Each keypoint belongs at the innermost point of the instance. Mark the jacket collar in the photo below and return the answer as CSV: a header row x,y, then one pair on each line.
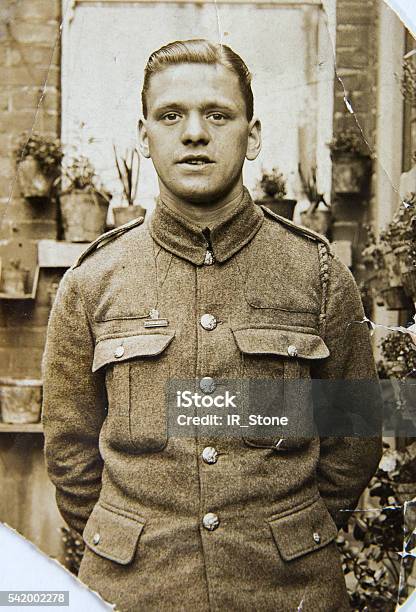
x,y
180,236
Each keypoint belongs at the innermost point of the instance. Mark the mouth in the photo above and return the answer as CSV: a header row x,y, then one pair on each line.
x,y
195,160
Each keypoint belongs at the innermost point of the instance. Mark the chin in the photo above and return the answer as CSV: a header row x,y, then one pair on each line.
x,y
199,194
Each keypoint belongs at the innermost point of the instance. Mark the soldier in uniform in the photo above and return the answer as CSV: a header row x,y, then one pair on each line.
x,y
213,288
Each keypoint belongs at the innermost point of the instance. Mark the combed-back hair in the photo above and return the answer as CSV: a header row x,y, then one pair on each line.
x,y
199,51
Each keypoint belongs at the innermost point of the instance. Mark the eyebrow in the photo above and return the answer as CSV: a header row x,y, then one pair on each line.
x,y
217,104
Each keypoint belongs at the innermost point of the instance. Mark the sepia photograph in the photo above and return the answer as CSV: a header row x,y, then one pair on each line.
x,y
208,305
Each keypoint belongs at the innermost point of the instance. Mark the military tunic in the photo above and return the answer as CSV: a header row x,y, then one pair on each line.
x,y
201,523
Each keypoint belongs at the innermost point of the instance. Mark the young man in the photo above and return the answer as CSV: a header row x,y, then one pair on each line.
x,y
216,288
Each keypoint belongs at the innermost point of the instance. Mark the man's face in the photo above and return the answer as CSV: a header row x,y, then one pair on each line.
x,y
197,133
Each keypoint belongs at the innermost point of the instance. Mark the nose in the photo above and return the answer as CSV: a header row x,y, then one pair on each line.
x,y
194,130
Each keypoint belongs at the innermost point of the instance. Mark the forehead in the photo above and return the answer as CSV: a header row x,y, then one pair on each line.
x,y
193,85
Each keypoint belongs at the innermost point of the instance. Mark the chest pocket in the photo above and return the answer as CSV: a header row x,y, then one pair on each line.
x,y
276,382
137,371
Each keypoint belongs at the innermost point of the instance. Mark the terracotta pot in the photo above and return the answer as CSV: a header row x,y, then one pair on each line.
x,y
409,283
395,298
350,172
124,214
21,401
284,208
84,214
318,221
33,182
14,282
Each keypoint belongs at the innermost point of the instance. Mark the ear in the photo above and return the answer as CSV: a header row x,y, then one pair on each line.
x,y
143,139
254,139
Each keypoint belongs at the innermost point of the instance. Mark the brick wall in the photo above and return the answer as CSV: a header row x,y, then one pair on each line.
x,y
356,57
29,100
356,64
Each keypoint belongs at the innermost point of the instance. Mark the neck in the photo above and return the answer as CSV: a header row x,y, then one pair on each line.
x,y
204,213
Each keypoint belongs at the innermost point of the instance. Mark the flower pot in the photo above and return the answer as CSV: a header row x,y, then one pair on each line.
x,y
124,214
409,283
20,401
284,208
350,172
318,221
33,182
14,282
395,298
84,214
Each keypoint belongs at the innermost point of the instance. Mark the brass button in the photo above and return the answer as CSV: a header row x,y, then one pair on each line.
x,y
207,384
209,258
292,351
119,352
209,454
316,537
208,322
96,538
210,521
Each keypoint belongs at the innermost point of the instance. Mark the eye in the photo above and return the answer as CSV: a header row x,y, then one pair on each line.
x,y
217,118
171,117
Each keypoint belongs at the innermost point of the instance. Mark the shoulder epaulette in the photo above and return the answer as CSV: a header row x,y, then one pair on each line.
x,y
105,238
300,229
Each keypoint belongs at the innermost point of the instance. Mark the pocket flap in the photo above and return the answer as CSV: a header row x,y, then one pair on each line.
x,y
301,531
119,349
112,535
279,342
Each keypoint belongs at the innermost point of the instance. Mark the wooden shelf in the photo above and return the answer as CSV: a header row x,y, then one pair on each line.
x,y
21,428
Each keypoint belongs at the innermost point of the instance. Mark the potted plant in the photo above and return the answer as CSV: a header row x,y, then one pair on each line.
x,y
38,161
74,549
376,278
14,279
398,244
273,187
314,217
377,577
399,355
408,271
391,262
408,79
351,163
83,203
405,250
128,168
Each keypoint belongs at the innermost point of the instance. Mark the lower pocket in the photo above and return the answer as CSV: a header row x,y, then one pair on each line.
x,y
300,531
113,534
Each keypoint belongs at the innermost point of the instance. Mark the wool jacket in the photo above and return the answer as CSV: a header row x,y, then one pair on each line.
x,y
203,522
